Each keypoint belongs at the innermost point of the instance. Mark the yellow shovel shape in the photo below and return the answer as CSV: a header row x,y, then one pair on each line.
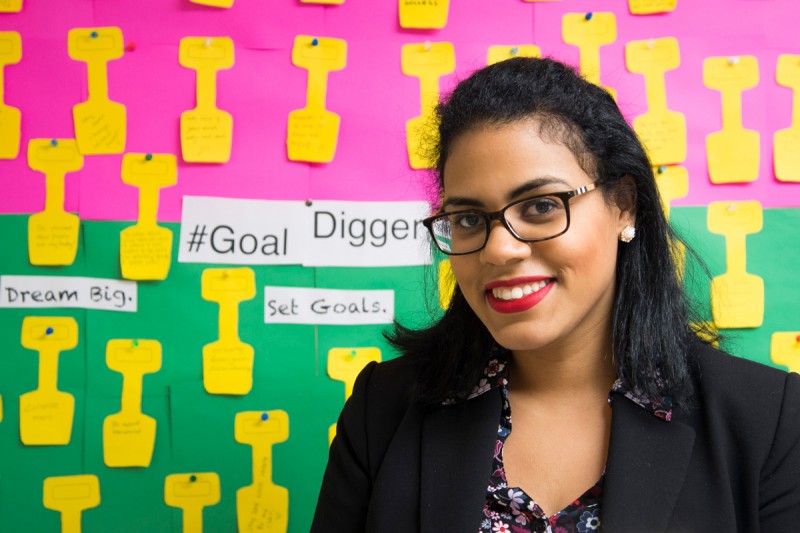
x,y
501,52
649,7
145,251
785,349
662,131
129,435
53,233
423,15
673,183
262,506
70,496
787,141
100,124
228,362
737,298
732,152
45,414
344,364
10,117
214,3
313,131
192,492
590,31
206,132
428,62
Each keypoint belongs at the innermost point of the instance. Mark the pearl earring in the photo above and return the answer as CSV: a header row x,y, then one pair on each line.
x,y
627,234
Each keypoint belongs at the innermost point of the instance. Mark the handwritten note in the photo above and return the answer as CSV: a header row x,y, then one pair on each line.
x,y
590,31
423,14
296,305
192,492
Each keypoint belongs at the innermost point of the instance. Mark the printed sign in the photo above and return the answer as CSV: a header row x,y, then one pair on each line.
x,y
68,291
298,305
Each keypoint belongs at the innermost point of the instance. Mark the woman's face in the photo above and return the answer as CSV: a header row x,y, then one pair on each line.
x,y
565,285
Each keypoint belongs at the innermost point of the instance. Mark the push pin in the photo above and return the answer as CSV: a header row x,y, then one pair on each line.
x,y
48,331
314,42
353,353
192,478
309,202
53,142
797,339
130,47
135,343
428,46
589,15
93,35
651,43
148,157
207,42
264,417
731,208
733,60
662,169
514,50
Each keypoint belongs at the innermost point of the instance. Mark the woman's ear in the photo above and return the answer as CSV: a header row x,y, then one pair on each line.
x,y
625,200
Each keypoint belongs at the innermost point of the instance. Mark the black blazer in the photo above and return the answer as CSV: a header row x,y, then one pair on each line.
x,y
729,463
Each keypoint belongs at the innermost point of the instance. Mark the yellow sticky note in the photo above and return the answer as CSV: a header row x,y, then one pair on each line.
x,y
10,6
447,283
589,31
648,7
53,233
145,251
787,141
262,506
129,435
431,14
428,62
501,53
344,364
673,183
100,124
330,2
70,496
785,349
10,117
214,3
732,152
662,131
45,414
191,493
737,298
228,362
313,131
206,132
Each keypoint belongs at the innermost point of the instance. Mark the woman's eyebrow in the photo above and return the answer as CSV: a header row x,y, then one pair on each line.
x,y
526,187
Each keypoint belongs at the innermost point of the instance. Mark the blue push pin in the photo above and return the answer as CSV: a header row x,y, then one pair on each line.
x,y
94,35
148,157
48,331
515,51
53,142
662,169
589,15
314,41
264,417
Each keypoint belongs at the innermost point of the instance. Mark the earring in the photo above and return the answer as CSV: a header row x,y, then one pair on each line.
x,y
627,234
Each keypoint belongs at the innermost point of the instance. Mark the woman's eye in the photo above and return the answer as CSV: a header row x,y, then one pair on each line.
x,y
467,221
540,206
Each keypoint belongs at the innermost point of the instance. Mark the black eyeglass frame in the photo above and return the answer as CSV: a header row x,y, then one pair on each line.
x,y
500,215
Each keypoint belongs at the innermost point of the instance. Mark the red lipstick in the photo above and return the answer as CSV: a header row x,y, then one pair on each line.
x,y
520,304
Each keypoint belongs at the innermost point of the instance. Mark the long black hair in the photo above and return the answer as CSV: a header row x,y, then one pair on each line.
x,y
653,320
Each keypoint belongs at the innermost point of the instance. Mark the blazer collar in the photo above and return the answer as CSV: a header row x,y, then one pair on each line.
x,y
647,464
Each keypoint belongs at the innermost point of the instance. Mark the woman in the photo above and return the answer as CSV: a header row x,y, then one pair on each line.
x,y
569,314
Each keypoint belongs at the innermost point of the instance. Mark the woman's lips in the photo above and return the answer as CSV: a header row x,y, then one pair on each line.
x,y
498,294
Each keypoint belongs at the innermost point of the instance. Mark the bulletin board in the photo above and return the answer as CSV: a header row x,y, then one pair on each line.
x,y
747,192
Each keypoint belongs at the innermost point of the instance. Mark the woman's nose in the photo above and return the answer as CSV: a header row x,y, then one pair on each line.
x,y
502,247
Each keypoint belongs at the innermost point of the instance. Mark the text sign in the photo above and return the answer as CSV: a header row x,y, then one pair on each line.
x,y
241,231
68,291
367,234
297,305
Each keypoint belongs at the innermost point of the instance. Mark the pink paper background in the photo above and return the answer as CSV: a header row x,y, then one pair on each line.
x,y
372,96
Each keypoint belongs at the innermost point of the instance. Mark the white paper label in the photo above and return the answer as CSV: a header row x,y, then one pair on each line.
x,y
68,291
298,305
242,232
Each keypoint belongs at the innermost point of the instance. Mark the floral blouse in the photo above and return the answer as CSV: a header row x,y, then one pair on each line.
x,y
510,509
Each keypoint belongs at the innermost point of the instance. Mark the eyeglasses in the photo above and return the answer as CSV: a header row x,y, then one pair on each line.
x,y
537,218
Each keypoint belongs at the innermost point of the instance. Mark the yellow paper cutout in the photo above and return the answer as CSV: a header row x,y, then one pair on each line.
x,y
590,31
649,7
70,496
10,117
313,131
145,251
447,283
784,349
344,364
129,435
733,151
214,3
100,124
499,53
662,131
737,298
10,6
673,183
423,15
428,62
206,132
262,506
53,233
1,407
332,2
228,362
787,155
192,492
45,414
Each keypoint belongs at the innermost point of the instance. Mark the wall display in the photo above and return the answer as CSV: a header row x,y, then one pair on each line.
x,y
286,245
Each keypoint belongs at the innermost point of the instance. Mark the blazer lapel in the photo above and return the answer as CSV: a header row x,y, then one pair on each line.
x,y
647,464
457,449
